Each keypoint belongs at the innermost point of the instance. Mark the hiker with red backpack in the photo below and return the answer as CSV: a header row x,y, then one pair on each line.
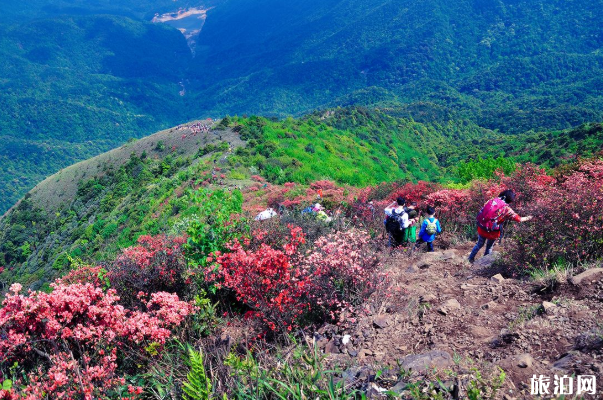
x,y
490,221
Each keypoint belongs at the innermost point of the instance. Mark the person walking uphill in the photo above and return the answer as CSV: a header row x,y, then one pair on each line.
x,y
429,229
491,219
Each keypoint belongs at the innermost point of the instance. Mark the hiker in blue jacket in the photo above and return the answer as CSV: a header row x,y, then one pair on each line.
x,y
429,228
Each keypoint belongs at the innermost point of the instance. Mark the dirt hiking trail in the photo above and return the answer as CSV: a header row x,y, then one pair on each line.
x,y
442,316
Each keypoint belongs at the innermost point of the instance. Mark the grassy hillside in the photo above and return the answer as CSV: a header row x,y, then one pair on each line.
x,y
93,208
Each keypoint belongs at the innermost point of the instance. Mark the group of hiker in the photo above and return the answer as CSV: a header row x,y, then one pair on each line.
x,y
401,223
197,127
402,220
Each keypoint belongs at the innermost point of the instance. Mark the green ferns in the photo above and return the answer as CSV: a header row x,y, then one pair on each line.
x,y
198,385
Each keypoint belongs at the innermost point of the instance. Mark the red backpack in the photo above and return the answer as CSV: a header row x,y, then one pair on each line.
x,y
489,217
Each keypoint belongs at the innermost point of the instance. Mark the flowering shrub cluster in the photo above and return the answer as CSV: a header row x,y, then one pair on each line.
x,y
71,338
568,224
284,286
156,264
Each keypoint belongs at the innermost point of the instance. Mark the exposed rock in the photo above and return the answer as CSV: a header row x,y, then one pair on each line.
x,y
422,362
480,332
468,286
449,306
486,261
588,276
412,269
423,264
399,387
498,278
489,305
587,341
428,298
331,348
564,364
525,360
381,321
549,307
364,353
447,255
353,373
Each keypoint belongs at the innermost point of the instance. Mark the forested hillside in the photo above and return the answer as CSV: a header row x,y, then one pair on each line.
x,y
508,65
72,87
79,78
94,208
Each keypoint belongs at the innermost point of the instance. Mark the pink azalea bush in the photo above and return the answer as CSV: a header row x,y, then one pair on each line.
x,y
155,264
284,286
568,224
70,340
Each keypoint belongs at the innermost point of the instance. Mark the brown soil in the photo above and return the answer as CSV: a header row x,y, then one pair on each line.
x,y
495,323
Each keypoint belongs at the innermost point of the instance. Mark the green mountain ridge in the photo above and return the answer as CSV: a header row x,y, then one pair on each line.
x,y
84,77
94,208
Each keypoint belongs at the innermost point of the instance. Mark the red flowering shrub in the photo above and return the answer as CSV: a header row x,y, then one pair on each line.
x,y
415,191
156,264
85,274
69,339
283,286
568,224
323,185
453,208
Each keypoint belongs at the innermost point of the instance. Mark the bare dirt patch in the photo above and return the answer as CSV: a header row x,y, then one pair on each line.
x,y
441,302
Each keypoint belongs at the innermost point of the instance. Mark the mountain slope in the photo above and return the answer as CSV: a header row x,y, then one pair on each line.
x,y
72,87
75,83
495,59
94,208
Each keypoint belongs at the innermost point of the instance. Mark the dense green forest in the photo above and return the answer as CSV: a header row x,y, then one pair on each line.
x,y
74,87
81,77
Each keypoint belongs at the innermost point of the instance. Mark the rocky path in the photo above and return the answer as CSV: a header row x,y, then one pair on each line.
x,y
448,315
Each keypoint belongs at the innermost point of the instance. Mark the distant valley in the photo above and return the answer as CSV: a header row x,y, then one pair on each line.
x,y
188,21
80,78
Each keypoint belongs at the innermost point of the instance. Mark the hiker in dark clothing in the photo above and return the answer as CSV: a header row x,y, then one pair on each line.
x,y
396,221
491,219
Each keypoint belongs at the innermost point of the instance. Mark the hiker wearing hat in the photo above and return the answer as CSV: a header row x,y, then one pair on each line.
x,y
490,221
